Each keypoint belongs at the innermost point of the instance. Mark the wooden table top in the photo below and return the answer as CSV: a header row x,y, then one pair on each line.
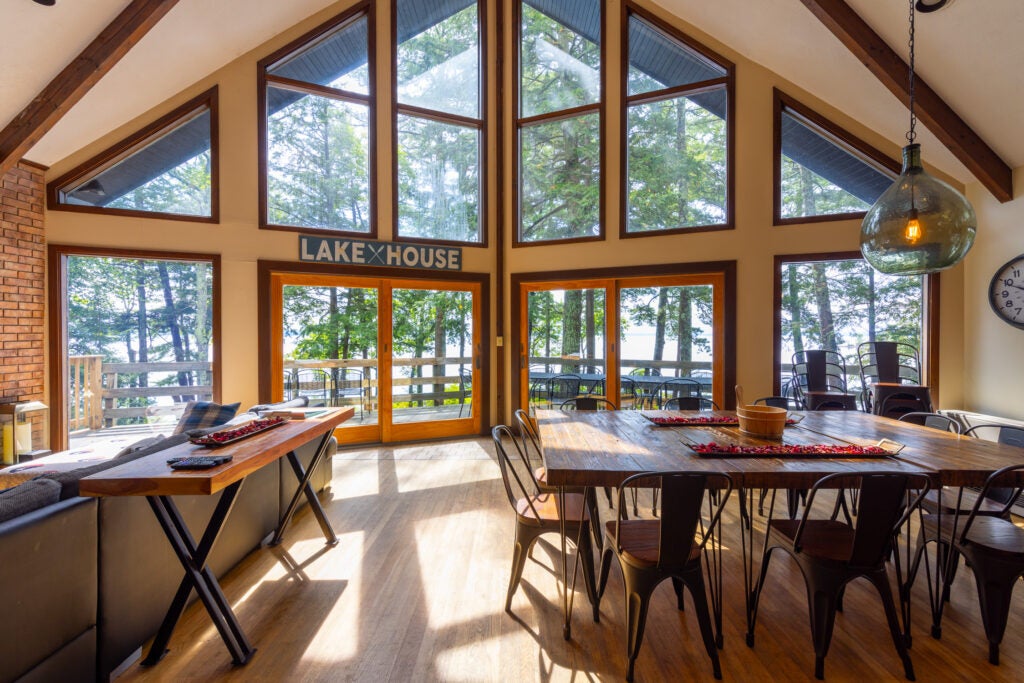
x,y
604,447
152,476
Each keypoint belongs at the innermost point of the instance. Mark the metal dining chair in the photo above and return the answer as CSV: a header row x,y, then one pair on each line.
x,y
943,423
994,548
465,389
588,403
677,387
652,550
831,553
690,403
537,513
889,362
563,387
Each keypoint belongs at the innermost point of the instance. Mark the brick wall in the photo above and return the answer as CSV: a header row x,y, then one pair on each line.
x,y
22,282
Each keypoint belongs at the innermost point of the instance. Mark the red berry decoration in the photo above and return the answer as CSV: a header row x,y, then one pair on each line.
x,y
228,435
787,449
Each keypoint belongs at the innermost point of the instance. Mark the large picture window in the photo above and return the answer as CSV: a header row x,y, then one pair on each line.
x,y
559,122
676,140
438,121
837,302
317,137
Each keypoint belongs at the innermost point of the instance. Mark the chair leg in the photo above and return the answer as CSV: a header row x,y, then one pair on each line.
x,y
606,565
694,580
639,586
755,599
995,581
525,538
677,586
586,551
822,604
899,639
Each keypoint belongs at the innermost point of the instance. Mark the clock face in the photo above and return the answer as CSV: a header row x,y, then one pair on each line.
x,y
1006,293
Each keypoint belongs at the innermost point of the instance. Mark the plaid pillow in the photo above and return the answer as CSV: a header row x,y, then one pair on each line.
x,y
203,414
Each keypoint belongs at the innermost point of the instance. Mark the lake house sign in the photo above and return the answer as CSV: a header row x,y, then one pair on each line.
x,y
348,252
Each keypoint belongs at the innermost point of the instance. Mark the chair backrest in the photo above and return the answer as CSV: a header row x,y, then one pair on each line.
x,y
515,473
682,496
290,385
677,387
943,423
1008,479
588,403
347,381
883,507
888,361
311,382
829,404
775,402
1011,436
901,403
465,381
563,386
529,438
628,390
690,403
819,370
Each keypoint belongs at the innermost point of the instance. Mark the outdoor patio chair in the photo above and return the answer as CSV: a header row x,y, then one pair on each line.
x,y
465,389
690,403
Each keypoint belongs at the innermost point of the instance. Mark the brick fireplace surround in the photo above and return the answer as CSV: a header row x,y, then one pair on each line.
x,y
22,283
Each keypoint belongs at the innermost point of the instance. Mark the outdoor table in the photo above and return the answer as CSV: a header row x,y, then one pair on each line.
x,y
152,476
586,449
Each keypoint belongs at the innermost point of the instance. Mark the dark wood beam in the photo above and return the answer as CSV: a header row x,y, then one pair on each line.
x,y
84,71
931,109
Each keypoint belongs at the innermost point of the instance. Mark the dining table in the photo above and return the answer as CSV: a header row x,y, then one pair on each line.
x,y
602,448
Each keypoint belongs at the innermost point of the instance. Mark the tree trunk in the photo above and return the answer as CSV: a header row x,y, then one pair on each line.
x,y
171,320
332,338
872,313
440,345
684,341
572,313
796,310
682,180
142,320
588,321
824,302
659,329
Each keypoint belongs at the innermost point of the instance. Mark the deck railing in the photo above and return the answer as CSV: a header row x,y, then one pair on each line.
x,y
99,394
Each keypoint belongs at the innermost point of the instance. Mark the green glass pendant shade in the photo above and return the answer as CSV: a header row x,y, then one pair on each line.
x,y
919,225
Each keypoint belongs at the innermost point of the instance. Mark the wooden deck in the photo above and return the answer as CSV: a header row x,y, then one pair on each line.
x,y
415,592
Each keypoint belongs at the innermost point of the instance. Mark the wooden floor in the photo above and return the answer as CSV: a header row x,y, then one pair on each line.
x,y
415,592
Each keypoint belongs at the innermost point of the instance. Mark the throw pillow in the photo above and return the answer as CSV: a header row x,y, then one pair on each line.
x,y
30,496
203,414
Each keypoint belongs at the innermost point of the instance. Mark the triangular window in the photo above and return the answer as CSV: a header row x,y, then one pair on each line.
x,y
822,171
168,169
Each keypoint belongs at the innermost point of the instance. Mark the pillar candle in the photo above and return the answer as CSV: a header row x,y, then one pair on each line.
x,y
8,436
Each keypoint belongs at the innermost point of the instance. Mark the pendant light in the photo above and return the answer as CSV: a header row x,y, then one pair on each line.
x,y
920,224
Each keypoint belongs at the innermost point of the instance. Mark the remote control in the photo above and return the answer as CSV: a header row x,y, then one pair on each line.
x,y
198,463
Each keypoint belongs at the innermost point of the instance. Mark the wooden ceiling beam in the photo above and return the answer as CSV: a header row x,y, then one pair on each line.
x,y
931,109
75,80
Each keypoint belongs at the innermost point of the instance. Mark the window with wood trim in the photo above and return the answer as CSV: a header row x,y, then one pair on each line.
x,y
317,129
438,120
823,172
559,120
167,170
677,135
835,302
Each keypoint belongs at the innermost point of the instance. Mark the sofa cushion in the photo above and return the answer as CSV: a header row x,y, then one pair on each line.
x,y
300,402
140,445
69,479
203,414
32,495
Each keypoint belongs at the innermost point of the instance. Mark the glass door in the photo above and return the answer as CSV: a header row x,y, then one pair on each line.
x,y
434,358
403,354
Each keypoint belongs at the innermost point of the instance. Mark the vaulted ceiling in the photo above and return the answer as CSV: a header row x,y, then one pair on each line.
x,y
969,53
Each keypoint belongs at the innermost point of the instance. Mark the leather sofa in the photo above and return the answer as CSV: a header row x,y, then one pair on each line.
x,y
85,582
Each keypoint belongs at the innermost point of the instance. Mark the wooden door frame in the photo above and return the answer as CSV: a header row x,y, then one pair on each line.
x,y
725,269
477,282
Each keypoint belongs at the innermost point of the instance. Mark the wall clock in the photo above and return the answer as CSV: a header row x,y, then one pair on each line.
x,y
1006,293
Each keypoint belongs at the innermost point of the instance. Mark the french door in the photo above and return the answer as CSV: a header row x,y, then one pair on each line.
x,y
404,354
614,337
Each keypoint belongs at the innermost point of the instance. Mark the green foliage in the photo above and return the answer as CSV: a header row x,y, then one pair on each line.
x,y
805,193
318,165
184,189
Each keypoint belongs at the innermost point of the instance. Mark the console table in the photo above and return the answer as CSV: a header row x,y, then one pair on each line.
x,y
153,478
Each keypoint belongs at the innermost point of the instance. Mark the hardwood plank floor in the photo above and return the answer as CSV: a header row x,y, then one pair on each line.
x,y
415,589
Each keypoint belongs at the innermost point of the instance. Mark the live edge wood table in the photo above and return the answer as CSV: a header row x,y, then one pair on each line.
x,y
585,449
152,477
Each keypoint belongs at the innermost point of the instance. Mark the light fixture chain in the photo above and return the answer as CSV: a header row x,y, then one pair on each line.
x,y
911,134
